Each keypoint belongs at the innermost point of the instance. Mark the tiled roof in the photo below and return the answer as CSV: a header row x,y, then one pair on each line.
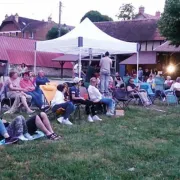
x,y
132,30
30,24
18,51
144,58
166,47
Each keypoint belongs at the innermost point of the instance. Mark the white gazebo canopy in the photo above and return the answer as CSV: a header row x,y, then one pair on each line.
x,y
93,38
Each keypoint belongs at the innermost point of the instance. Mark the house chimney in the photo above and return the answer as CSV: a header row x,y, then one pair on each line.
x,y
49,19
6,16
141,9
16,17
158,14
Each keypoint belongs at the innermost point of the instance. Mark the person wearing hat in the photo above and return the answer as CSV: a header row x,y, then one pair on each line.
x,y
76,98
96,96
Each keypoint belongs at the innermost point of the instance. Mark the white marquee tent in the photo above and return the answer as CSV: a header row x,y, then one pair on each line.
x,y
93,38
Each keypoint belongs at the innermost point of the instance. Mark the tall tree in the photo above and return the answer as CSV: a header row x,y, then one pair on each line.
x,y
126,12
53,33
96,16
169,24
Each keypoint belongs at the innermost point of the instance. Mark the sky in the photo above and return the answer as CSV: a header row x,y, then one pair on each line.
x,y
72,10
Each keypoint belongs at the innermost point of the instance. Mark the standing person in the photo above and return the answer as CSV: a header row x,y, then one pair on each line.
x,y
140,74
105,70
90,72
76,98
146,74
41,79
76,70
22,69
15,91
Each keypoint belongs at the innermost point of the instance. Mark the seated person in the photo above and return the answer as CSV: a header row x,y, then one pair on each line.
x,y
136,92
4,134
136,81
59,102
15,91
29,89
176,87
119,83
41,79
96,96
76,98
23,129
168,82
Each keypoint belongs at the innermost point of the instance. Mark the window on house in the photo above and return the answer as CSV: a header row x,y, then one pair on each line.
x,y
31,35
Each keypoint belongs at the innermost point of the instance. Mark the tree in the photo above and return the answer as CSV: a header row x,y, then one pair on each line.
x,y
126,12
96,16
53,33
169,24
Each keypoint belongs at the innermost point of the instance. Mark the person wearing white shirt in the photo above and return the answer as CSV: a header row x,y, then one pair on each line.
x,y
96,96
176,87
59,102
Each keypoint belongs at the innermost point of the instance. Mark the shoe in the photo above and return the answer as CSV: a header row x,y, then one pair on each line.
x,y
11,140
60,119
96,118
22,138
28,136
90,119
67,122
109,114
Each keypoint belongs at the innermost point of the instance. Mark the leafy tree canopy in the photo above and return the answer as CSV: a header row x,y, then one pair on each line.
x,y
169,24
96,16
126,12
53,33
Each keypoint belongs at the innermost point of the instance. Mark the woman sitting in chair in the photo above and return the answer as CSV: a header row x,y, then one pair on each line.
x,y
59,102
136,92
176,87
15,91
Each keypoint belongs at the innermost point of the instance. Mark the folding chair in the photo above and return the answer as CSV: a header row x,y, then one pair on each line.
x,y
171,97
49,92
121,97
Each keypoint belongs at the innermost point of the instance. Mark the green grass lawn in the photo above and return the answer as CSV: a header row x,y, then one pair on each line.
x,y
144,144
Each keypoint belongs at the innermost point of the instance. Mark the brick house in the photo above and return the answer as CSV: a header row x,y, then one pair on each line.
x,y
21,27
143,30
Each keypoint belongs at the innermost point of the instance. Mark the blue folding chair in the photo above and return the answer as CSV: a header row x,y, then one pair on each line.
x,y
171,97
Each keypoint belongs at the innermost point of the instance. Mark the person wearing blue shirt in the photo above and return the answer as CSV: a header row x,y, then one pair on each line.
x,y
41,79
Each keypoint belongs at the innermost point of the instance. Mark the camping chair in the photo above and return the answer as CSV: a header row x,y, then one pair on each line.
x,y
121,98
148,89
126,79
49,92
171,97
4,100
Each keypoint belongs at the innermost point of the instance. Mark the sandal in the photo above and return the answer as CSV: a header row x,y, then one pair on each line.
x,y
58,136
53,137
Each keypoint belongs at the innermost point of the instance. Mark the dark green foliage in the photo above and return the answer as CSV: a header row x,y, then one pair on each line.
x,y
169,23
96,16
53,33
126,12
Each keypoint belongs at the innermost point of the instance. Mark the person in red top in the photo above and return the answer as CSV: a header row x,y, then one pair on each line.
x,y
29,89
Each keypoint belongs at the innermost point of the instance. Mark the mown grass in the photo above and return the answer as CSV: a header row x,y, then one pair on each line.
x,y
146,140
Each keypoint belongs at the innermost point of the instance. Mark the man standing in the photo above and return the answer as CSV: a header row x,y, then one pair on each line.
x,y
105,66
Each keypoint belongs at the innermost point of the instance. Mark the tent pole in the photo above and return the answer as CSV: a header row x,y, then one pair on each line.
x,y
137,64
35,59
79,63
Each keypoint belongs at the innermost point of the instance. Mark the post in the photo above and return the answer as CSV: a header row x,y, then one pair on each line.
x,y
138,49
61,64
60,11
35,59
80,45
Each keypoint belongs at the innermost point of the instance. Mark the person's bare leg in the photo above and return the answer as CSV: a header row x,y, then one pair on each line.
x,y
46,122
24,102
41,126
